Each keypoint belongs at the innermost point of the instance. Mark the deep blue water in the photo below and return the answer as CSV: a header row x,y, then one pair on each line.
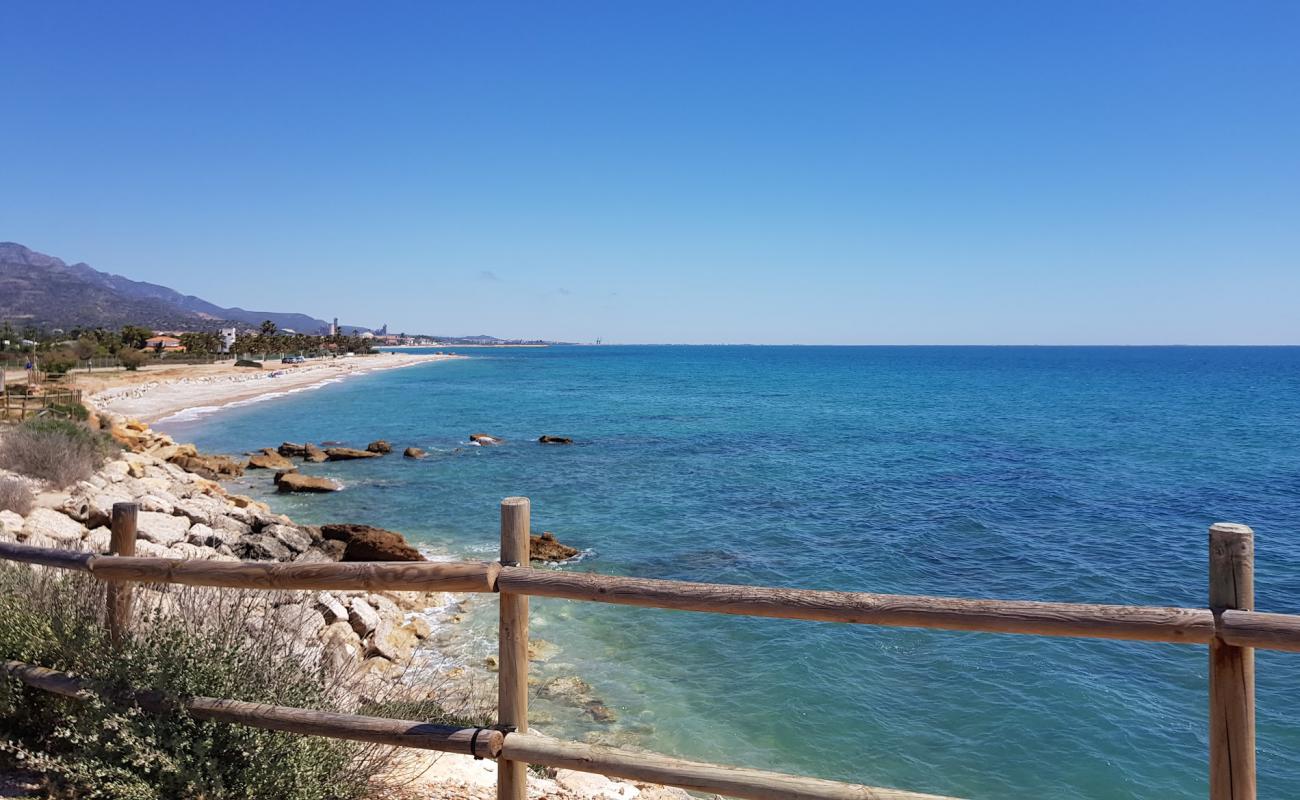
x,y
1073,474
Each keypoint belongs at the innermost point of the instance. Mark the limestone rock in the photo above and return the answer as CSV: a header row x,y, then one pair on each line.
x,y
291,450
11,522
366,543
393,642
162,529
115,471
159,503
341,647
205,536
314,454
547,548
269,459
380,446
302,620
290,536
331,608
420,627
413,452
214,468
261,547
98,540
348,454
554,440
594,787
297,482
50,524
363,617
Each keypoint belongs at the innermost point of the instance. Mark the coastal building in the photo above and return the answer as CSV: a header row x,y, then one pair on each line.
x,y
228,336
334,327
167,344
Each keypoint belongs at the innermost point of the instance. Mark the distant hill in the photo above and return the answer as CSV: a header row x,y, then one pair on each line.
x,y
44,291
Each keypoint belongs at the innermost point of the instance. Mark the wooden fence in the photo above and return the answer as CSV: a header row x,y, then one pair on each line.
x,y
1229,625
21,405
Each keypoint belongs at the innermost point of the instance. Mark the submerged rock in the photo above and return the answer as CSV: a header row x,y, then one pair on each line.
x,y
544,439
547,548
297,482
413,452
486,439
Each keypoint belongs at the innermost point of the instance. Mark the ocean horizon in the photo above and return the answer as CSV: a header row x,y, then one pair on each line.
x,y
1056,472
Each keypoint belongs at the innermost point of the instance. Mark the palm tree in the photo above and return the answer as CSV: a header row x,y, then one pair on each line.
x,y
268,327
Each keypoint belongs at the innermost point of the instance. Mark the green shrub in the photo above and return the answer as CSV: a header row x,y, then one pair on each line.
x,y
71,410
131,359
56,450
204,645
59,362
15,496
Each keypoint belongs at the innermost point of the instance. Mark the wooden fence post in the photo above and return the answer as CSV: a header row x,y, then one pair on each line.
x,y
122,543
1232,669
512,652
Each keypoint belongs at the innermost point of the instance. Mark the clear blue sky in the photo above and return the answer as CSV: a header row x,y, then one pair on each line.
x,y
846,172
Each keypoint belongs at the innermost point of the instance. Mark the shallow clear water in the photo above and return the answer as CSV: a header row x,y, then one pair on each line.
x,y
1074,474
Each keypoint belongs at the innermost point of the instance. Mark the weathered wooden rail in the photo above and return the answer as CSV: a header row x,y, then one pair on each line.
x,y
1230,627
15,405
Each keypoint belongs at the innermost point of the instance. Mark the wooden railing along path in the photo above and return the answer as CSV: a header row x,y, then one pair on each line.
x,y
1229,626
20,405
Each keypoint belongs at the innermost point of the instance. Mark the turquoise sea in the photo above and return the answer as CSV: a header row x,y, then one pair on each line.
x,y
1073,474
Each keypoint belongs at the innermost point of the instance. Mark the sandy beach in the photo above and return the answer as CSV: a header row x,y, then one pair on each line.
x,y
157,392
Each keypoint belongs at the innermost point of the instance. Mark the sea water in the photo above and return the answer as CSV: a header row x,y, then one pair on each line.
x,y
1068,474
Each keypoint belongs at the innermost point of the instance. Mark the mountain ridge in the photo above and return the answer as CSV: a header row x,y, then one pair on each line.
x,y
45,291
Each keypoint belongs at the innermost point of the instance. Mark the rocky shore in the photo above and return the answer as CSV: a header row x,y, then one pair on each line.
x,y
384,640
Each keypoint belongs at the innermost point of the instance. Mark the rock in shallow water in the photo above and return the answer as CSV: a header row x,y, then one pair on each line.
x,y
366,543
297,482
269,459
348,454
547,548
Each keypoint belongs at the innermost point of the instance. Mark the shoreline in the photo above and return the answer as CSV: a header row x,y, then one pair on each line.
x,y
162,393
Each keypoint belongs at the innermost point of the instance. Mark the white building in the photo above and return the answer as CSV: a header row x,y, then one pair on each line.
x,y
228,336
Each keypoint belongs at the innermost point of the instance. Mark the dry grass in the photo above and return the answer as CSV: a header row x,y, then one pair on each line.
x,y
15,496
58,451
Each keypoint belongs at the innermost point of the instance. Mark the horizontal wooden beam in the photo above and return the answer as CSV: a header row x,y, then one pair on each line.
x,y
1140,623
751,784
352,727
412,576
46,556
1260,630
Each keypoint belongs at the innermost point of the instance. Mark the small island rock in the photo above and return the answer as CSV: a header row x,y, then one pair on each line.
x,y
348,454
379,446
367,543
269,459
413,452
547,548
554,440
297,482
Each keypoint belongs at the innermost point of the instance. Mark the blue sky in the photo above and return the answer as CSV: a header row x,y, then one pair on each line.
x,y
837,172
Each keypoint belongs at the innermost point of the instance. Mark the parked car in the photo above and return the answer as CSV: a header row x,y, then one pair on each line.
x,y
293,360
